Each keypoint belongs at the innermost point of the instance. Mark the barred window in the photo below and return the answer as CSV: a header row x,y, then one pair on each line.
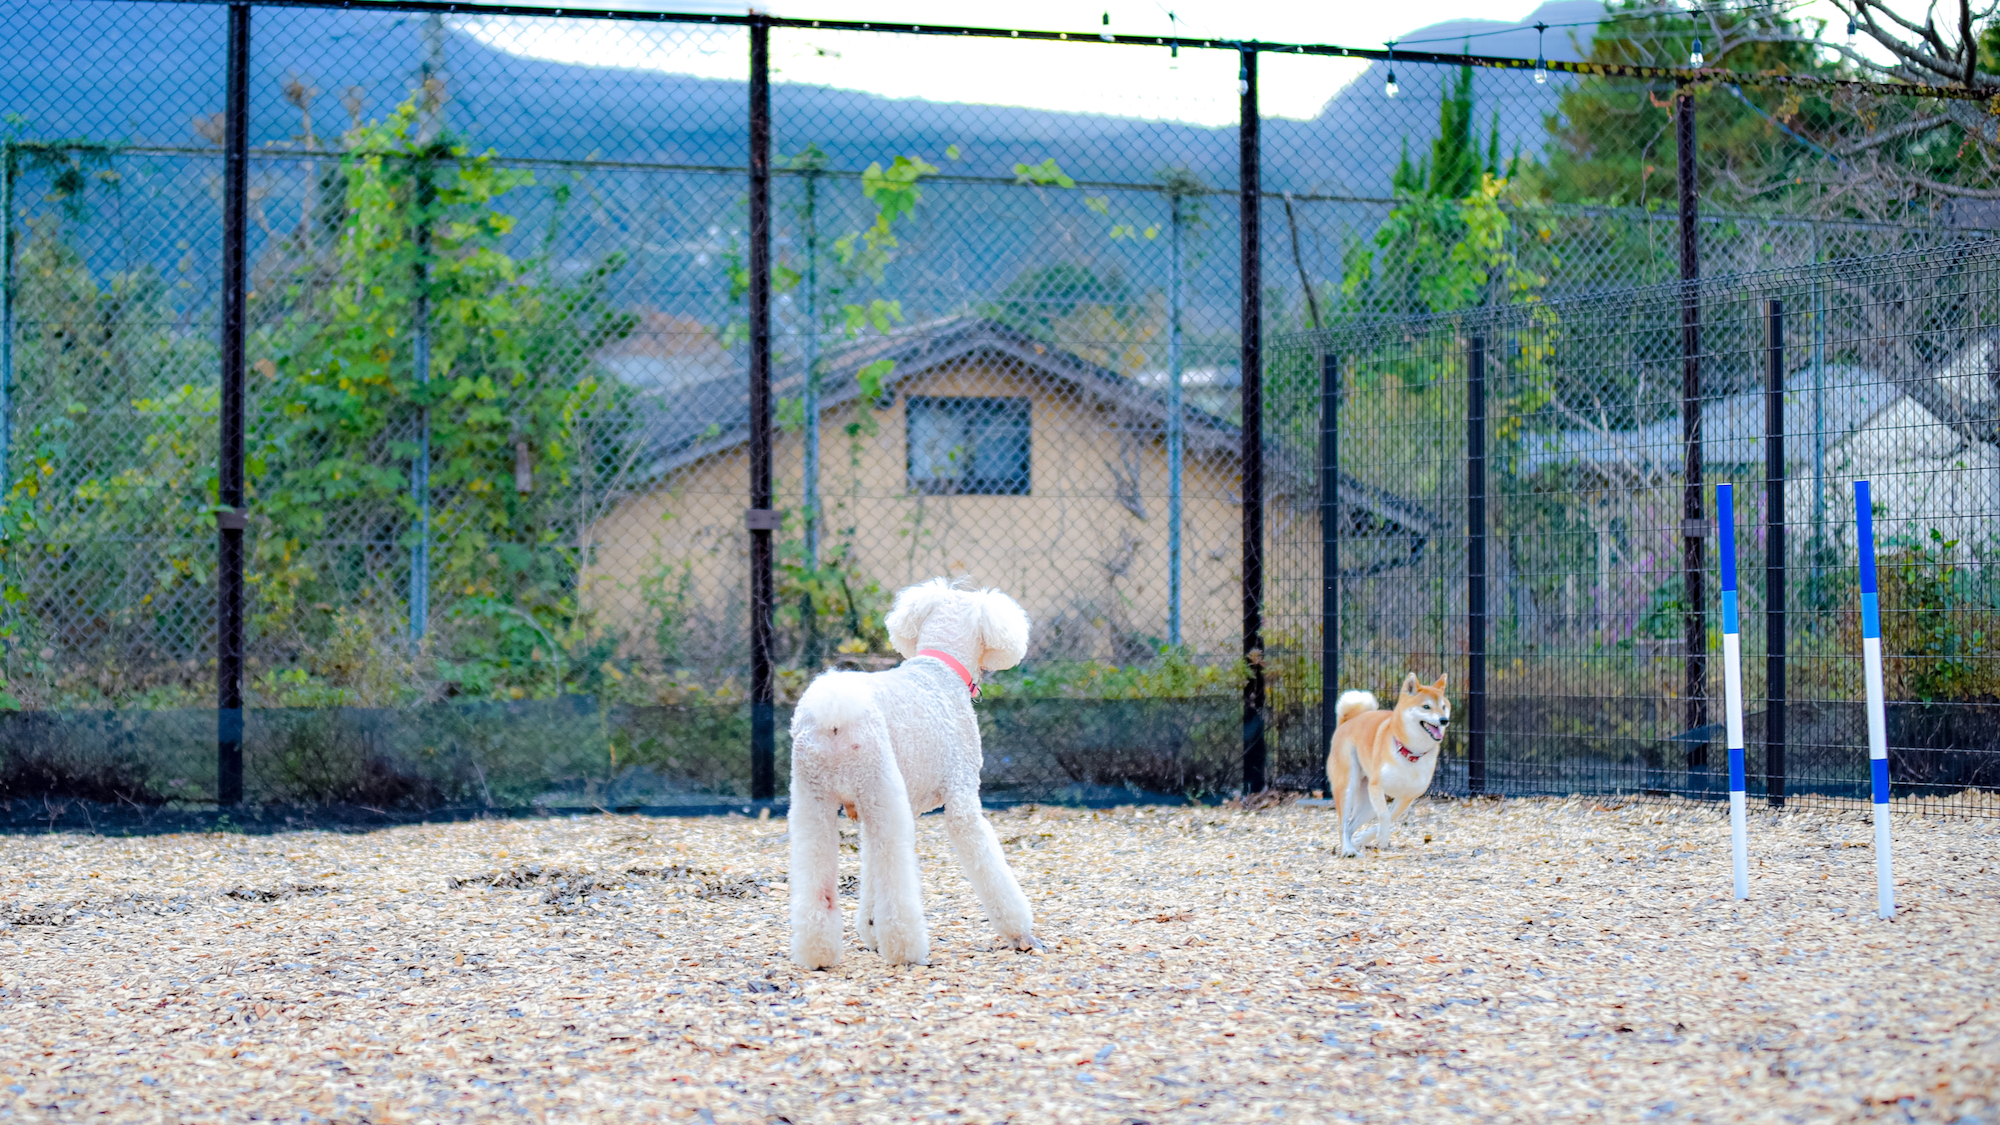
x,y
968,446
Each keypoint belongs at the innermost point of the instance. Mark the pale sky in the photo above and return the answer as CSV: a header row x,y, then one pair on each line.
x,y
1199,87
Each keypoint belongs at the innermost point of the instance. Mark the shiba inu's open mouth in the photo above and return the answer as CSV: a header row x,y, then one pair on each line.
x,y
1436,732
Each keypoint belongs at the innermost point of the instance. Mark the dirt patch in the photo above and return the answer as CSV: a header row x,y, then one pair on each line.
x,y
1515,961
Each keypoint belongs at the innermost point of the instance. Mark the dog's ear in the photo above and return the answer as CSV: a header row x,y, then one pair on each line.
x,y
1409,684
1003,631
1439,686
914,604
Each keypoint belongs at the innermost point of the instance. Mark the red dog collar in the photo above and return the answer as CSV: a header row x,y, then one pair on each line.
x,y
952,663
1405,752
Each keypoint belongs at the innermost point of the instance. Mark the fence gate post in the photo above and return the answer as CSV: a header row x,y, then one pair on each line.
x,y
1249,231
1475,566
1329,549
230,519
762,520
1774,552
1694,625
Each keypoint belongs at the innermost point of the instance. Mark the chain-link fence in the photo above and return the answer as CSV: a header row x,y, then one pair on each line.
x,y
503,309
1587,636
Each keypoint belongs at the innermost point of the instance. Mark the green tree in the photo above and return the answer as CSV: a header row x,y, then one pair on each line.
x,y
112,462
112,472
512,385
1455,164
824,599
1612,140
1447,244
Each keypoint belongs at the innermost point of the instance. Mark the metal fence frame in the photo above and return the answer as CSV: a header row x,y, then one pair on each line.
x,y
760,517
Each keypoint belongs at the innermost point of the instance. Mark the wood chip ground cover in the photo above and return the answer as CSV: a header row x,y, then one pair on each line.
x,y
1523,960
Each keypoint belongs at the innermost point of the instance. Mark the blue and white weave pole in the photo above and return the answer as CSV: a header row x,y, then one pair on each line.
x,y
1732,688
1878,726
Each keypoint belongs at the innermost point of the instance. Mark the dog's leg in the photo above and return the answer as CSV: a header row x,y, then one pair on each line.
x,y
1396,815
1372,833
815,880
893,884
864,912
1378,826
1402,811
1353,804
986,867
1379,801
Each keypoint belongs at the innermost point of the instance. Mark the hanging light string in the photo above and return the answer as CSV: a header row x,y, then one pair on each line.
x,y
1389,88
1541,57
1590,69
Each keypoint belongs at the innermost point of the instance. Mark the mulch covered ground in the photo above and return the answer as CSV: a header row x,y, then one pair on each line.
x,y
1522,960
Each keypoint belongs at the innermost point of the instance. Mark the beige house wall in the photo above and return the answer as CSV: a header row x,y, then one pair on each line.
x,y
1085,552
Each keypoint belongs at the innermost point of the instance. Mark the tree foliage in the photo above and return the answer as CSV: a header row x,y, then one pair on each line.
x,y
1447,243
414,231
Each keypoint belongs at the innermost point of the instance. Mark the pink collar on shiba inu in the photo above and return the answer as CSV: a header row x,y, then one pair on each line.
x,y
1405,752
952,663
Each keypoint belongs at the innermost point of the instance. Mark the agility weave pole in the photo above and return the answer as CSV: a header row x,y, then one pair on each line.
x,y
1732,687
1878,726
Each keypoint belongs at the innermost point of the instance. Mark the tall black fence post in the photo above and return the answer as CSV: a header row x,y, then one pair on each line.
x,y
1774,552
9,162
1329,547
1475,566
1249,230
231,519
1694,625
762,520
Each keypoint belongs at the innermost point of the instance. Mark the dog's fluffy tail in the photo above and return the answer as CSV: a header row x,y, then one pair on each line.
x,y
834,702
1352,703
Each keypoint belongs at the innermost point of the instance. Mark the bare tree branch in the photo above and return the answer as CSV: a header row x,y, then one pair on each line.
x,y
1882,137
1974,421
1939,186
1932,62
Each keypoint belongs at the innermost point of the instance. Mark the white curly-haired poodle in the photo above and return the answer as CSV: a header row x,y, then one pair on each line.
x,y
894,745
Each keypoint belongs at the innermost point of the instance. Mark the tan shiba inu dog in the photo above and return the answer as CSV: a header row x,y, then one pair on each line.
x,y
1378,757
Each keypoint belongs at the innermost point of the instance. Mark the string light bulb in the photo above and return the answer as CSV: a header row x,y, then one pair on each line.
x,y
1850,31
1243,75
1696,59
1541,63
1389,88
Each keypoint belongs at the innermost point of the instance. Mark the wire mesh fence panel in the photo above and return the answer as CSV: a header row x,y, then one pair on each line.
x,y
1889,373
1590,686
480,335
111,434
1396,439
1006,352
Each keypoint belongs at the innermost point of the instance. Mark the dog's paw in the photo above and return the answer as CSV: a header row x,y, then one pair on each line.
x,y
1027,944
911,953
815,955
